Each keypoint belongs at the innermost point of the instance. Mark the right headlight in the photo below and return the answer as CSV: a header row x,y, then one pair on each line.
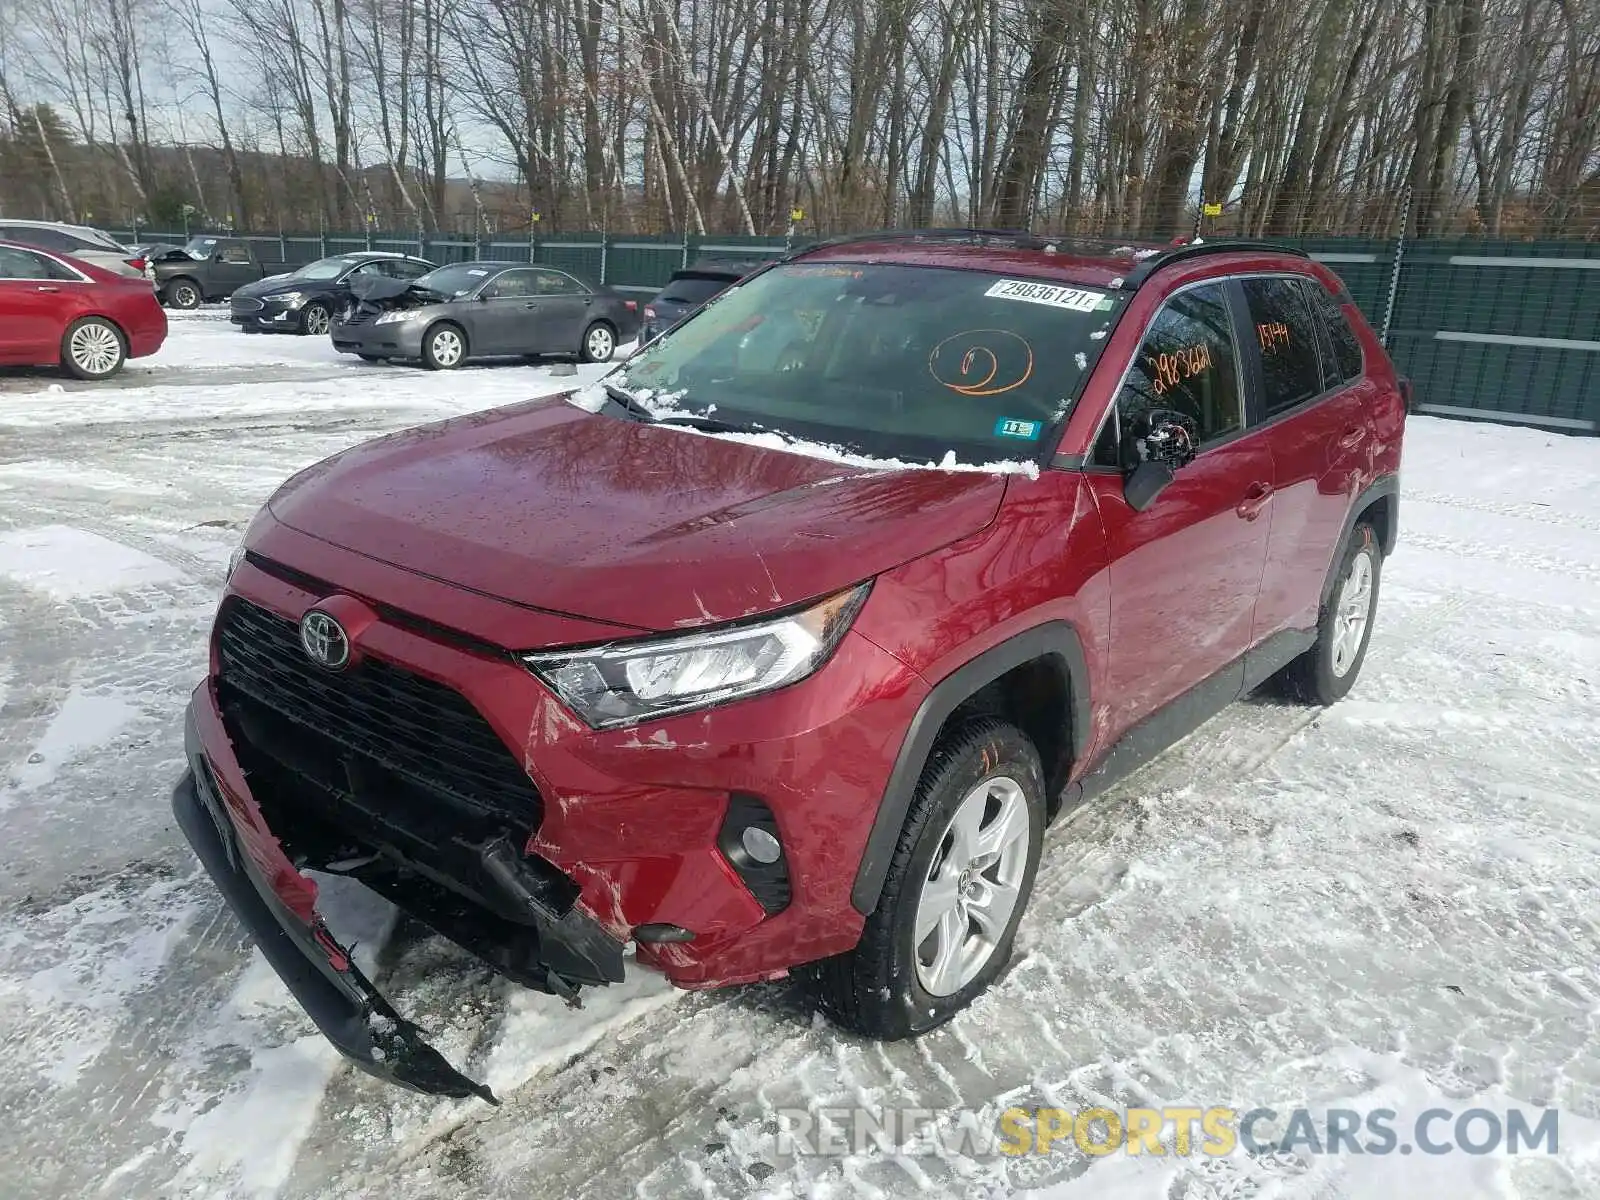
x,y
627,682
390,317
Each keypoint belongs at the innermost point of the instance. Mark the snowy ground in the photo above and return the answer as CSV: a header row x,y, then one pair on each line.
x,y
1390,903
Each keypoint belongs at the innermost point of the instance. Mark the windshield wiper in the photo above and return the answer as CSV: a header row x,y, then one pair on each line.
x,y
628,402
706,424
631,404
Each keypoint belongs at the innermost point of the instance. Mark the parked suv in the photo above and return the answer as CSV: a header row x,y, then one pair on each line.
x,y
778,649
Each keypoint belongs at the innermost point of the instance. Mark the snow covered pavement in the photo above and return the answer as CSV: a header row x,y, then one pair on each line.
x,y
1390,903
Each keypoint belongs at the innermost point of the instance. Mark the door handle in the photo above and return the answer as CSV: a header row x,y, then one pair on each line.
x,y
1353,437
1254,501
45,287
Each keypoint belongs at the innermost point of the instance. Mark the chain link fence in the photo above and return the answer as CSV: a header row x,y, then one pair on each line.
x,y
1500,330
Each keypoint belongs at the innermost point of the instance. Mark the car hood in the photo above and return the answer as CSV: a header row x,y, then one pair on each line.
x,y
278,283
638,525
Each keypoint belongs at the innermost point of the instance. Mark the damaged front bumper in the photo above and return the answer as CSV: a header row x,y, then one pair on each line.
x,y
276,904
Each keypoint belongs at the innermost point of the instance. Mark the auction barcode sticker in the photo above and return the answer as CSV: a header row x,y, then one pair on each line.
x,y
1077,299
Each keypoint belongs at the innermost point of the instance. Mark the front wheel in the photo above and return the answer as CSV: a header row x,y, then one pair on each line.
x,y
316,319
599,343
92,348
956,889
1326,672
443,347
183,293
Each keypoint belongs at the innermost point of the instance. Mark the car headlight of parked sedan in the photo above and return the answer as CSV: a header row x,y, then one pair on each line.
x,y
292,299
627,682
392,316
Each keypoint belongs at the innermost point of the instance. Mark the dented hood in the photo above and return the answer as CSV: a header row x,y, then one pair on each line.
x,y
640,525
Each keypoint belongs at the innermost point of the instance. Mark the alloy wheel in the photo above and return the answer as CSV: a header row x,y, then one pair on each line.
x,y
184,296
972,887
1352,612
95,348
317,319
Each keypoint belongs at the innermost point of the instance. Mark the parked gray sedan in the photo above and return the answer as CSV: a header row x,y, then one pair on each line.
x,y
484,310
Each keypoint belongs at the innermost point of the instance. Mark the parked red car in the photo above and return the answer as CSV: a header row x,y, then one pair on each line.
x,y
778,650
56,310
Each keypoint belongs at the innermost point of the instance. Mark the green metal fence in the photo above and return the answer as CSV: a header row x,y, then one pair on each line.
x,y
1494,330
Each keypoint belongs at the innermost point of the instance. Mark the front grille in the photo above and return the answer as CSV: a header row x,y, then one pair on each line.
x,y
374,714
246,304
358,314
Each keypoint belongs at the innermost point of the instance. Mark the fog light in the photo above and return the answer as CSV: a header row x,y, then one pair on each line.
x,y
760,845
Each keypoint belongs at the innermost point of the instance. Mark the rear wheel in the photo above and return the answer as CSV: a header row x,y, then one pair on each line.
x,y
443,347
599,342
316,319
956,889
183,293
93,348
1327,671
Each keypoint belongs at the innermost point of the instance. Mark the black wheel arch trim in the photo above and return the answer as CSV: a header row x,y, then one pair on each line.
x,y
1383,487
1053,639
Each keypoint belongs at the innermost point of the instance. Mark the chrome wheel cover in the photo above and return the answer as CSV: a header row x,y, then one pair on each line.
x,y
95,348
600,344
1352,611
972,887
447,347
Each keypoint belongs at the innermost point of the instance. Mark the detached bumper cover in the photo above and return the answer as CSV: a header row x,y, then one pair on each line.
x,y
276,904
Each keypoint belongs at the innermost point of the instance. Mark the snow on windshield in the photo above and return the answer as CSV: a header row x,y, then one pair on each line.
x,y
594,397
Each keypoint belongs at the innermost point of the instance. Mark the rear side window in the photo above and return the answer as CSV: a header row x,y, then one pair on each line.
x,y
1287,334
239,255
554,283
1347,361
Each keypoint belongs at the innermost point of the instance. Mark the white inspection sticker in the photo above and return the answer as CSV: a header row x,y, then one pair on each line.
x,y
1033,292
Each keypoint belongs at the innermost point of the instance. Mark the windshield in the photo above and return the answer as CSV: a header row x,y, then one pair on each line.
x,y
200,248
895,361
326,268
455,280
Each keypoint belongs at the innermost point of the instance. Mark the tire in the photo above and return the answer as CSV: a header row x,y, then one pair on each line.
x,y
317,318
891,985
93,348
599,343
1325,673
183,293
437,353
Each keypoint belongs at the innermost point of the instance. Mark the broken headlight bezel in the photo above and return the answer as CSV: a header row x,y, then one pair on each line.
x,y
623,683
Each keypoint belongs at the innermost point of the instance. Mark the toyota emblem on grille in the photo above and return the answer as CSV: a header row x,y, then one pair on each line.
x,y
324,641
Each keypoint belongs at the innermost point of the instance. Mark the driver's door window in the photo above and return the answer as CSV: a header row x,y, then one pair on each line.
x,y
1187,364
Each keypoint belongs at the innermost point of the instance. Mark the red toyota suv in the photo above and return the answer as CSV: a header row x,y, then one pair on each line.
x,y
778,649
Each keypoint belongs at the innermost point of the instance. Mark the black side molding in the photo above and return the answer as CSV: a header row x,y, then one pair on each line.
x,y
1052,639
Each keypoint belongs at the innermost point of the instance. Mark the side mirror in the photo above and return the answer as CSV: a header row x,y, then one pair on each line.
x,y
1165,436
1144,483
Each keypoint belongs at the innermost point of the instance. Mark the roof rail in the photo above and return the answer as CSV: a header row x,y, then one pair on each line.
x,y
1150,265
952,233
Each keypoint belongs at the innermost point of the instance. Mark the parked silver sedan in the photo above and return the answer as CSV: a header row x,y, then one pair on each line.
x,y
484,310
